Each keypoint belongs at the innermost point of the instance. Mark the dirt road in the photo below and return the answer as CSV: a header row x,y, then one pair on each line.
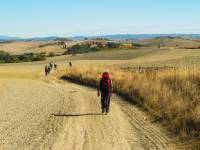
x,y
55,114
125,128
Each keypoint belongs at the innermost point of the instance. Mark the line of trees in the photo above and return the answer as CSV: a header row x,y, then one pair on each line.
x,y
28,57
86,47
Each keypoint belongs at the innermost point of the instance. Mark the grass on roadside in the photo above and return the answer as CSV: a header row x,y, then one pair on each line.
x,y
172,95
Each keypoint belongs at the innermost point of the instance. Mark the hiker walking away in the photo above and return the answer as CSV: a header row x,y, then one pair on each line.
x,y
46,70
70,64
55,66
105,89
51,65
49,69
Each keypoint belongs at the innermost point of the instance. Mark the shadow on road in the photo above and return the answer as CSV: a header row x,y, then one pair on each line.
x,y
77,115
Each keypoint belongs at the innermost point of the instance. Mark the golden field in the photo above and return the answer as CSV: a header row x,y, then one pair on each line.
x,y
41,112
18,47
170,95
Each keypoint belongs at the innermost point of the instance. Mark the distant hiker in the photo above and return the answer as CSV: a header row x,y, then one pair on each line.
x,y
46,70
49,69
70,64
51,65
55,66
105,87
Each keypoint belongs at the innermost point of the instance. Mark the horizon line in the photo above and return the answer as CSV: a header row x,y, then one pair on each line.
x,y
97,35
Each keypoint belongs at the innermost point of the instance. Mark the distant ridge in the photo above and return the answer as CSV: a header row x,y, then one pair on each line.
x,y
8,38
50,38
135,36
109,37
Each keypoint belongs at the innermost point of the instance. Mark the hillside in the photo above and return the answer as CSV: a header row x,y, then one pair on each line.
x,y
160,51
170,42
38,113
58,47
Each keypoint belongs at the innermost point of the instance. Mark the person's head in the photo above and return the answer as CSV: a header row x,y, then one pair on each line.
x,y
105,75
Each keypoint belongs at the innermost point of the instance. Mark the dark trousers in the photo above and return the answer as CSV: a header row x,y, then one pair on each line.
x,y
105,101
46,72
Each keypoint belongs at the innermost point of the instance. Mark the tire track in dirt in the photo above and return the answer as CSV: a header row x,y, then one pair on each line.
x,y
150,135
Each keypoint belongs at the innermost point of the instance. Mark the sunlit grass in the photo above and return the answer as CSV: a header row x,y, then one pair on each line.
x,y
172,95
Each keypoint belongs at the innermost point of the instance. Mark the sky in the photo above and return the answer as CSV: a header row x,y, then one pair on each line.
x,y
30,18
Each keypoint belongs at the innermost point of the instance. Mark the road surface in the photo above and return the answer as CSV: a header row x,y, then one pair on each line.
x,y
48,113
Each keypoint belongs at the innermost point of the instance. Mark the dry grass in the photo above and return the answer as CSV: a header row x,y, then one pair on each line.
x,y
19,47
168,42
32,47
167,54
171,95
121,54
50,48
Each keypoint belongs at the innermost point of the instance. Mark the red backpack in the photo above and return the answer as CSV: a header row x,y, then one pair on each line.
x,y
105,82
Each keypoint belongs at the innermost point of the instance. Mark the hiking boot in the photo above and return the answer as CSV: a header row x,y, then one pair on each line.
x,y
107,111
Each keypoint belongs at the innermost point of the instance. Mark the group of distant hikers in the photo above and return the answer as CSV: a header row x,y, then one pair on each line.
x,y
49,67
104,89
